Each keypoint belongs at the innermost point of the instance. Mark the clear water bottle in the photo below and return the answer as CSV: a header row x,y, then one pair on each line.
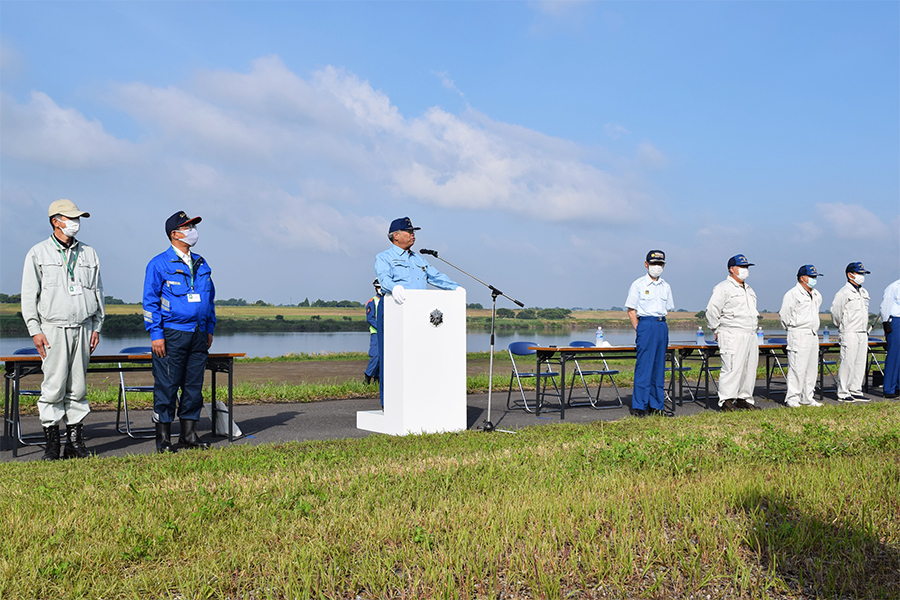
x,y
701,339
826,337
759,335
599,340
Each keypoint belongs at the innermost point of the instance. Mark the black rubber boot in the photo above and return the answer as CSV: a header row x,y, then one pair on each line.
x,y
163,438
75,447
189,437
51,441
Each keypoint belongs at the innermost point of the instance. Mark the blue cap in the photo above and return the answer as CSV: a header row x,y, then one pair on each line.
x,y
656,256
402,224
857,267
179,219
739,260
808,270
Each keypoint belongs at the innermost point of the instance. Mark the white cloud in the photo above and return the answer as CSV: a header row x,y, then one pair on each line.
x,y
43,132
651,156
335,121
852,221
448,83
12,63
807,232
614,130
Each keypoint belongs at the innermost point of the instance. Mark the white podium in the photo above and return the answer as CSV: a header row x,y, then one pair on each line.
x,y
424,365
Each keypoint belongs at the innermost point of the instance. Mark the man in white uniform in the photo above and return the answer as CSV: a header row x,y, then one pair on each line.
x,y
732,315
800,316
850,312
62,304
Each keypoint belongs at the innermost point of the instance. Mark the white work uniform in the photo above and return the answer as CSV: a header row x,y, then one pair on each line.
x,y
850,312
62,297
731,313
800,316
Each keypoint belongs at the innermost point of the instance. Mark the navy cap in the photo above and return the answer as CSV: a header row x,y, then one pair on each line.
x,y
857,267
739,260
376,284
179,219
808,270
403,224
656,256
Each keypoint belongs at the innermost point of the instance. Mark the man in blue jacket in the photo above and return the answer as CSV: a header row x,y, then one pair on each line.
x,y
180,314
372,308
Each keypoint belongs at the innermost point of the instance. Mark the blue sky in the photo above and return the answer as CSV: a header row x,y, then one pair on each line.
x,y
544,147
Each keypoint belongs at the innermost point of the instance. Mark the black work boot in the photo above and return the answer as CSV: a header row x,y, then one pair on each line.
x,y
75,447
163,438
51,441
189,437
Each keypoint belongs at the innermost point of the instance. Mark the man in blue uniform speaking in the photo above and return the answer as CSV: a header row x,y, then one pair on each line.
x,y
180,314
648,302
399,269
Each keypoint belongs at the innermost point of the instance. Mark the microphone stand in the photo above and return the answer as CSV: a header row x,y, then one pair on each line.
x,y
487,425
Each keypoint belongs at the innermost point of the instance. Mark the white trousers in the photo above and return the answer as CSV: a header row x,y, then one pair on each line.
x,y
739,350
63,392
803,363
854,350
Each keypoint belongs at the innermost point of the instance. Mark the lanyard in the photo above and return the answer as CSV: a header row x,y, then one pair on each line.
x,y
70,261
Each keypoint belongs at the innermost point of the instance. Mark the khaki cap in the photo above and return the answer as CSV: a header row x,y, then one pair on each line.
x,y
66,208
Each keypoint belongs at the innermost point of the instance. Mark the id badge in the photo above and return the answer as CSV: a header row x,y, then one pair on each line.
x,y
193,297
75,290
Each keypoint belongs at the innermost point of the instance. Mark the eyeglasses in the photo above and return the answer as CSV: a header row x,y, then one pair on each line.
x,y
186,228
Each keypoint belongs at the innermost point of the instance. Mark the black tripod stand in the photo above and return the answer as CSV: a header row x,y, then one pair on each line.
x,y
487,424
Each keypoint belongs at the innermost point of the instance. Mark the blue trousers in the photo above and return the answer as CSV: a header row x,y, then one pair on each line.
x,y
180,370
650,367
892,362
372,369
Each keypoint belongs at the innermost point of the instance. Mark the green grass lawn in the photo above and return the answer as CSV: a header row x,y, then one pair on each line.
x,y
788,504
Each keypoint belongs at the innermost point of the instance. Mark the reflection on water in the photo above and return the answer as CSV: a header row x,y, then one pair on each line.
x,y
279,344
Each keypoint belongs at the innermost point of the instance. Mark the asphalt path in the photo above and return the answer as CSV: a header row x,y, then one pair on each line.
x,y
336,419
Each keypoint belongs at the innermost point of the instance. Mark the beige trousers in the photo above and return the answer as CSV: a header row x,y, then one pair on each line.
x,y
63,393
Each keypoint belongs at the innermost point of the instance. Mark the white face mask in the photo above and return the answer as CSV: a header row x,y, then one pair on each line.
x,y
743,273
655,270
811,282
190,236
71,227
858,278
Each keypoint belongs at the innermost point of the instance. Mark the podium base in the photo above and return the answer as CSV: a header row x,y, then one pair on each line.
x,y
377,421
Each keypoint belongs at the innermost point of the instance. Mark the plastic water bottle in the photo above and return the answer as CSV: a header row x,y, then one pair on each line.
x,y
599,340
759,335
701,339
826,337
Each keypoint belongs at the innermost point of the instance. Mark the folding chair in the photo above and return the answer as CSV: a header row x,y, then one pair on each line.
x,y
605,372
682,380
707,370
779,357
873,361
826,365
521,350
31,439
134,433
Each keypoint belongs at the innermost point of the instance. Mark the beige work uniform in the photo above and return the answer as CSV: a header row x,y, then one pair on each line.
x,y
731,313
850,312
800,316
52,305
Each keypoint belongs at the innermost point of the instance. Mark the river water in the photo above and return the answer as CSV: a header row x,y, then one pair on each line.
x,y
279,344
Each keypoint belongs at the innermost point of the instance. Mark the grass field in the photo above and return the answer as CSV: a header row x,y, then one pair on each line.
x,y
769,504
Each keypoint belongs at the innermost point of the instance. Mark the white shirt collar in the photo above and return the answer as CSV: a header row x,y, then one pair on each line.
x,y
185,257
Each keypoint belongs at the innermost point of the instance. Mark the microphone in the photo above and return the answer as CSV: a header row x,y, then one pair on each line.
x,y
431,252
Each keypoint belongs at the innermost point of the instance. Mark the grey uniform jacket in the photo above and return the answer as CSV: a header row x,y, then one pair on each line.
x,y
45,288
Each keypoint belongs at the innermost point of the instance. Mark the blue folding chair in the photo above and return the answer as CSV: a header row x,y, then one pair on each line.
x,y
604,372
779,357
709,371
874,366
134,433
521,350
31,439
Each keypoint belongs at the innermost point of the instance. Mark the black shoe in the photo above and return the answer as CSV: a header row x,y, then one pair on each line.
x,y
189,437
727,406
656,412
894,395
638,412
51,441
742,404
75,447
368,379
163,438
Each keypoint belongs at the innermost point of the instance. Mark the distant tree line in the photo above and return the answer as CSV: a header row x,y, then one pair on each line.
x,y
534,313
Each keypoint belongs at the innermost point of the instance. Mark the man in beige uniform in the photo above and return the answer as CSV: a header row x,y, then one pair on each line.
x,y
62,304
732,314
850,312
800,316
